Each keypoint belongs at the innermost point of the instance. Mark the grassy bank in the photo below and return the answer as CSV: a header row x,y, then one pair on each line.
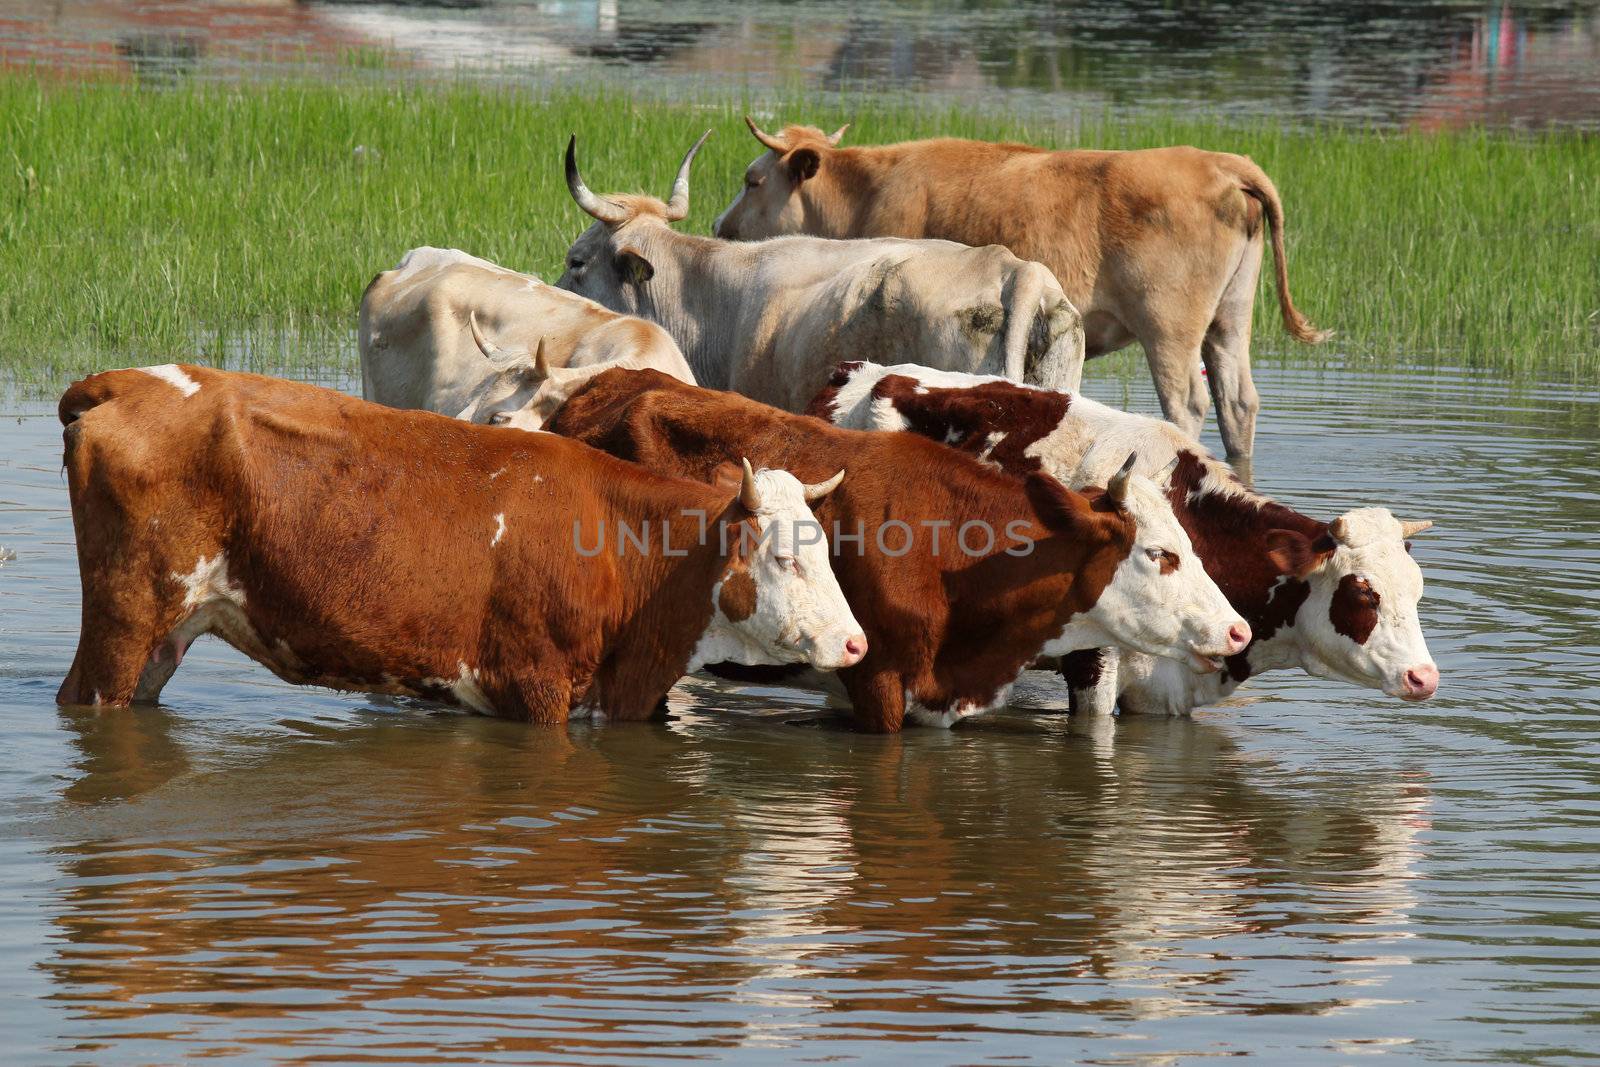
x,y
206,219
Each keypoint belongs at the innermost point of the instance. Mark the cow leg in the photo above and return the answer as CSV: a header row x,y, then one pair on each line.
x,y
126,652
1091,677
1226,352
1175,367
540,698
878,699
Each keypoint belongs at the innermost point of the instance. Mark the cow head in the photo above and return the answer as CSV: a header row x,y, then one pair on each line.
x,y
610,261
523,391
1158,598
1359,621
770,203
778,600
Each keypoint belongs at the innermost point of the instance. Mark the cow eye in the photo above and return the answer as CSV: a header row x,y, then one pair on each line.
x,y
753,180
1408,548
500,418
788,563
1167,560
575,263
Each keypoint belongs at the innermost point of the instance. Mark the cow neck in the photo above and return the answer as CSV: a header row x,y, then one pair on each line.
x,y
1003,608
839,200
1228,525
665,600
694,309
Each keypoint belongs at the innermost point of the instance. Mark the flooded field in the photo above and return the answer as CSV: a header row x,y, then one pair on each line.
x,y
1311,874
1428,64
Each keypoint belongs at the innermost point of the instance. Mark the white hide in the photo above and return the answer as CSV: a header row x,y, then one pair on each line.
x,y
175,376
417,348
1088,447
800,614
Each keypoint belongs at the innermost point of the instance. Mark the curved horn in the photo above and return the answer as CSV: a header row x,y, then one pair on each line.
x,y
486,346
766,138
678,203
834,137
1337,530
749,495
1411,529
597,206
817,490
1117,487
541,365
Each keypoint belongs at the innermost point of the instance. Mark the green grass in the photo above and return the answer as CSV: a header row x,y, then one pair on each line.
x,y
241,222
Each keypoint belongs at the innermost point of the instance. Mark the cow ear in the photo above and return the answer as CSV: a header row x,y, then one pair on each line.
x,y
1295,554
633,267
803,164
1059,508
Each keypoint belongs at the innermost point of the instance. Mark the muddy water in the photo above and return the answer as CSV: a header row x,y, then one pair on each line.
x,y
1311,873
1419,62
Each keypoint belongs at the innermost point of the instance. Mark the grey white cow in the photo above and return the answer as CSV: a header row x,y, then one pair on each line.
x,y
1337,599
448,332
769,319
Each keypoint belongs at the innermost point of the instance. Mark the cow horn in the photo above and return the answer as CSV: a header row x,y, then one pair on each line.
x,y
678,203
817,490
597,206
834,137
491,351
1337,530
1411,529
1117,487
766,138
749,495
541,365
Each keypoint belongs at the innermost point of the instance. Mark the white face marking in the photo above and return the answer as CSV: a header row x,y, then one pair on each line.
x,y
499,529
174,375
1372,548
800,614
1181,614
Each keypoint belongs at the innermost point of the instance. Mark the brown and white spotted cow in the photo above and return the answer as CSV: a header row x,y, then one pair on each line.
x,y
961,575
341,543
1337,599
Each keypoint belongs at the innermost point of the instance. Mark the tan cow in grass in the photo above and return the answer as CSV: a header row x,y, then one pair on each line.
x,y
1160,246
448,332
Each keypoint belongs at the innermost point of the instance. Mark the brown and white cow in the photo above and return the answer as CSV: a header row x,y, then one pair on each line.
x,y
770,319
345,544
1161,246
1337,599
448,332
960,575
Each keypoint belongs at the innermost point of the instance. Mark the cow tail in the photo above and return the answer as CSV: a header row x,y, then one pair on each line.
x,y
1027,303
1253,182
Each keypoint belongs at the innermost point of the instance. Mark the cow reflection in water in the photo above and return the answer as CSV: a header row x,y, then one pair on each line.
x,y
675,872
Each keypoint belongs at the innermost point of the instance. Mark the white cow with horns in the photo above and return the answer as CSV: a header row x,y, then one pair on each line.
x,y
448,332
769,319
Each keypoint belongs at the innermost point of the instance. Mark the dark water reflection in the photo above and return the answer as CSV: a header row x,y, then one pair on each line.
x,y
1429,63
1310,873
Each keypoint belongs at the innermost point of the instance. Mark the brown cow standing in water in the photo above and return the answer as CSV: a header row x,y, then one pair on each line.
x,y
1161,246
346,544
